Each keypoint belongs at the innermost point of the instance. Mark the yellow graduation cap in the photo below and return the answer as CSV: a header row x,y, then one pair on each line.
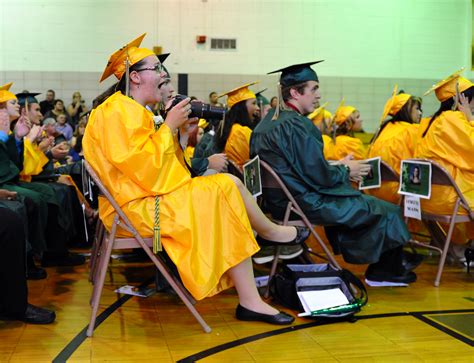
x,y
131,52
342,113
318,111
394,103
320,114
5,94
238,94
203,123
446,88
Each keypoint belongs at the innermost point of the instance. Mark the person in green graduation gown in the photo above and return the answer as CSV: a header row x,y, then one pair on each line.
x,y
362,228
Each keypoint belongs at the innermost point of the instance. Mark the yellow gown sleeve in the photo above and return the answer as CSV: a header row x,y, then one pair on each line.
x,y
34,159
328,149
237,146
188,154
123,132
346,145
452,139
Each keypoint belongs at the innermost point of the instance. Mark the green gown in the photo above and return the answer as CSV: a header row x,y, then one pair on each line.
x,y
359,226
10,163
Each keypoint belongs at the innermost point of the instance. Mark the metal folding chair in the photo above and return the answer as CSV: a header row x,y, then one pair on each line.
x,y
270,180
106,241
440,176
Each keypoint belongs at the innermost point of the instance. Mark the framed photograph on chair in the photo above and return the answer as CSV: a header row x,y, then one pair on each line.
x,y
252,179
373,178
415,179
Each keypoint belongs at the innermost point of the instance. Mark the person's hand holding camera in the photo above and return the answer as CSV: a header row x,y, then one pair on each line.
x,y
178,115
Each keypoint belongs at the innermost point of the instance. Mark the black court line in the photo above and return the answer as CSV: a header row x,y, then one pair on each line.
x,y
72,346
219,348
444,329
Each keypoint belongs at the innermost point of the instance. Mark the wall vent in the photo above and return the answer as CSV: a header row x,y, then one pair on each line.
x,y
223,44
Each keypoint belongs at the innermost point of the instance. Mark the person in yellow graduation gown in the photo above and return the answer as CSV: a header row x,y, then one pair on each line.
x,y
233,135
396,139
137,163
346,121
448,138
322,119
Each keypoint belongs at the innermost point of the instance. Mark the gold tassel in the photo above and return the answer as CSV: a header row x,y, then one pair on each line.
x,y
279,102
157,247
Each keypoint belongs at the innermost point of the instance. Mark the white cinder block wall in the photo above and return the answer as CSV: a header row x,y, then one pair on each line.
x,y
368,45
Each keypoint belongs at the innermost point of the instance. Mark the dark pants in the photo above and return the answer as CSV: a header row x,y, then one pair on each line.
x,y
14,291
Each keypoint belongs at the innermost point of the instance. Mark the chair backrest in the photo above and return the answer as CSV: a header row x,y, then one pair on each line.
x,y
271,180
234,169
387,174
440,176
104,191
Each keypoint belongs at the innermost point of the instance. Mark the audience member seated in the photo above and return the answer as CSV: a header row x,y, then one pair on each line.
x,y
363,228
63,127
213,100
144,163
48,103
396,138
57,110
76,108
448,139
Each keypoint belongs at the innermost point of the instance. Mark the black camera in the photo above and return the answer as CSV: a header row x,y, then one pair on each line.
x,y
200,110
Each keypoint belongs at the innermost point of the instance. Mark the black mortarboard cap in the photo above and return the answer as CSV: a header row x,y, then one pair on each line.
x,y
297,73
27,97
261,98
162,58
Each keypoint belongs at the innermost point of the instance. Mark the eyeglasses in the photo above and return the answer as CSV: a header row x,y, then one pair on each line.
x,y
158,68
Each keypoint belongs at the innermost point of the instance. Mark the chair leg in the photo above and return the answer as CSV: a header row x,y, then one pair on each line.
x,y
272,271
99,285
95,250
446,244
175,285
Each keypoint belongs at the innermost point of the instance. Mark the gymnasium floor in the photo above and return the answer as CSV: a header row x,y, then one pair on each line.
x,y
420,323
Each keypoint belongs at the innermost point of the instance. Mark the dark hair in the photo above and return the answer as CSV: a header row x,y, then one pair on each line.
x,y
448,105
51,90
78,144
404,114
192,140
299,87
57,100
237,114
212,93
119,86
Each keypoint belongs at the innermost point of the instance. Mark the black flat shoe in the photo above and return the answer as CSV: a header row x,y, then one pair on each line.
x,y
32,315
281,318
406,278
410,261
302,234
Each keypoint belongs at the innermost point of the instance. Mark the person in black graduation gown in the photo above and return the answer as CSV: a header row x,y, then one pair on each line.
x,y
362,228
